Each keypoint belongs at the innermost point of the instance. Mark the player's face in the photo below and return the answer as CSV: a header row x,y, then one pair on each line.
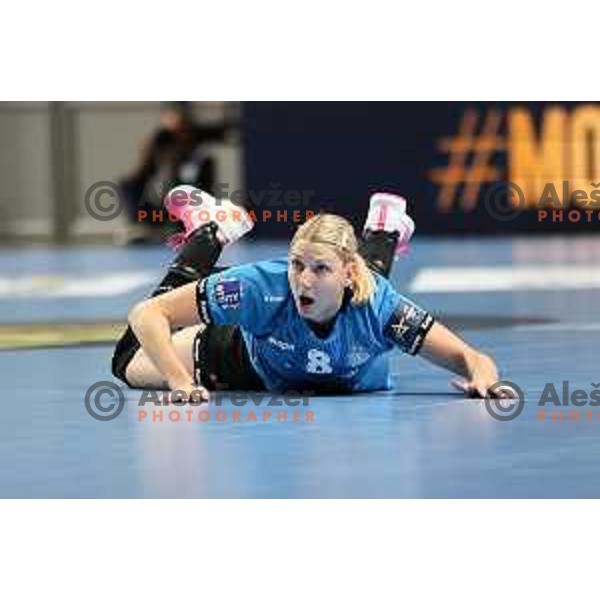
x,y
317,278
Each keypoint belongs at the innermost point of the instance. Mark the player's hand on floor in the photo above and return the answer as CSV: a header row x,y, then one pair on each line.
x,y
189,392
478,388
481,377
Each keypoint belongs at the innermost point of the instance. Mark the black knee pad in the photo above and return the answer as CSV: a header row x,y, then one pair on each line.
x,y
124,352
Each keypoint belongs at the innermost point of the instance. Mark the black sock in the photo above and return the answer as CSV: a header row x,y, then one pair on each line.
x,y
195,261
378,248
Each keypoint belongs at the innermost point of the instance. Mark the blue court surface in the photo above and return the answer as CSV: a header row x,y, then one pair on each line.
x,y
534,304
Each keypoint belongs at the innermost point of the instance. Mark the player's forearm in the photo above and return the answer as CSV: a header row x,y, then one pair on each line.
x,y
460,362
153,330
447,350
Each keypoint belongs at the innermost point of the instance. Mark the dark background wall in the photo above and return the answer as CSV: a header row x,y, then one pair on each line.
x,y
341,152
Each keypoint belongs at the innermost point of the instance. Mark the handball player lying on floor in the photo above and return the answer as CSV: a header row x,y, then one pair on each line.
x,y
324,319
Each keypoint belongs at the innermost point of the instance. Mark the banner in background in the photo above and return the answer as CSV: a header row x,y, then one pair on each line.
x,y
466,167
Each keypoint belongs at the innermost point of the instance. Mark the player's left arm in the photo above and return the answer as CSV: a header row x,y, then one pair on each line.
x,y
445,349
415,331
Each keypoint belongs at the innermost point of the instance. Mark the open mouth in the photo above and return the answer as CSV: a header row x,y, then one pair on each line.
x,y
306,301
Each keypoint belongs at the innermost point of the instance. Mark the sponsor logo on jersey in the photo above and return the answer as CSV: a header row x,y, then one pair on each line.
x,y
282,345
358,357
228,294
271,299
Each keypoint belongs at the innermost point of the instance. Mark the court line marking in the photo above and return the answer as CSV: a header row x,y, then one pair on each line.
x,y
557,327
74,286
495,279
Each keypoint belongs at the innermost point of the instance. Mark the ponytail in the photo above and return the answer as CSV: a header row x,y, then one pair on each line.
x,y
338,233
363,282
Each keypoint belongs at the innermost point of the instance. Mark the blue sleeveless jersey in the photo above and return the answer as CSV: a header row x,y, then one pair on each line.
x,y
284,350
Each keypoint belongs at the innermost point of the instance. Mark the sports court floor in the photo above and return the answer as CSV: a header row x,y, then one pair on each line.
x,y
538,313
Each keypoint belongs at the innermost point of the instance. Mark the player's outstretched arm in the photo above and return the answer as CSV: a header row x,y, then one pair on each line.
x,y
152,322
445,349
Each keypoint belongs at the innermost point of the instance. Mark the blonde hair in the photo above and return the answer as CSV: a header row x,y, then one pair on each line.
x,y
338,234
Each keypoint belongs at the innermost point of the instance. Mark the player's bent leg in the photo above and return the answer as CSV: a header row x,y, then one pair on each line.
x,y
199,250
196,260
141,373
